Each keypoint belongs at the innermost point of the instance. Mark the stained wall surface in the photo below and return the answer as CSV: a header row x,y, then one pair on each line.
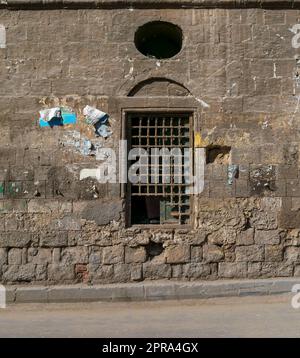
x,y
237,72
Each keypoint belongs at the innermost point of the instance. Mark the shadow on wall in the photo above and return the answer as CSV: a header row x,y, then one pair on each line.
x,y
162,87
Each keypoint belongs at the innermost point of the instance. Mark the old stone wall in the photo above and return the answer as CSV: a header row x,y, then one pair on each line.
x,y
239,74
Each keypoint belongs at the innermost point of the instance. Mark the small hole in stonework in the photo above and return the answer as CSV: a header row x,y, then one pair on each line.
x,y
218,154
154,249
247,224
158,39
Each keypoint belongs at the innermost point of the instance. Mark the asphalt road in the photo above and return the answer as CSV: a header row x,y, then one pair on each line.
x,y
223,317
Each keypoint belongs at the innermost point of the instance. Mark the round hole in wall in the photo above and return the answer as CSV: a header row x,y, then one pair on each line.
x,y
158,39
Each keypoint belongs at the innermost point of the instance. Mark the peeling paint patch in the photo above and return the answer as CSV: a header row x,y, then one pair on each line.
x,y
2,36
274,70
262,178
265,124
295,40
75,141
204,104
233,171
199,142
129,74
1,190
89,173
281,37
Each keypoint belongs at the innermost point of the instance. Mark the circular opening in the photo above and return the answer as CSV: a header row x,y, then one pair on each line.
x,y
158,39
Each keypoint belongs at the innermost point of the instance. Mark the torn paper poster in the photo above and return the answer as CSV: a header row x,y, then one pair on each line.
x,y
50,113
233,171
103,130
75,141
86,147
98,119
57,116
94,115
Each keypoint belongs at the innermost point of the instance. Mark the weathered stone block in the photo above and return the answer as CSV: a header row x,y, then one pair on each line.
x,y
276,269
177,271
68,222
293,188
41,272
7,156
10,206
242,188
15,257
196,271
20,273
285,171
95,257
61,273
136,239
160,237
74,255
273,253
220,189
292,254
56,255
253,253
2,224
232,269
177,254
245,238
154,271
196,253
39,256
254,269
74,237
102,212
295,204
212,253
113,254
219,171
3,257
297,271
14,223
222,237
135,255
54,239
15,239
122,272
101,274
269,237
49,206
136,272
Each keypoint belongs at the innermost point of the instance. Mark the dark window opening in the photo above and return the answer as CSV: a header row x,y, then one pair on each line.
x,y
161,197
158,39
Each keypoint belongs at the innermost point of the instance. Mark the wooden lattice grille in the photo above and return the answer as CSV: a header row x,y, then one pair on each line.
x,y
153,132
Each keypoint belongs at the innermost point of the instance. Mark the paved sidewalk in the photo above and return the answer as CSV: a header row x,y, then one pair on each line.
x,y
264,316
149,290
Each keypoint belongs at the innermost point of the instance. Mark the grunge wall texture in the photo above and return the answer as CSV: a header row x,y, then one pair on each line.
x,y
238,72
